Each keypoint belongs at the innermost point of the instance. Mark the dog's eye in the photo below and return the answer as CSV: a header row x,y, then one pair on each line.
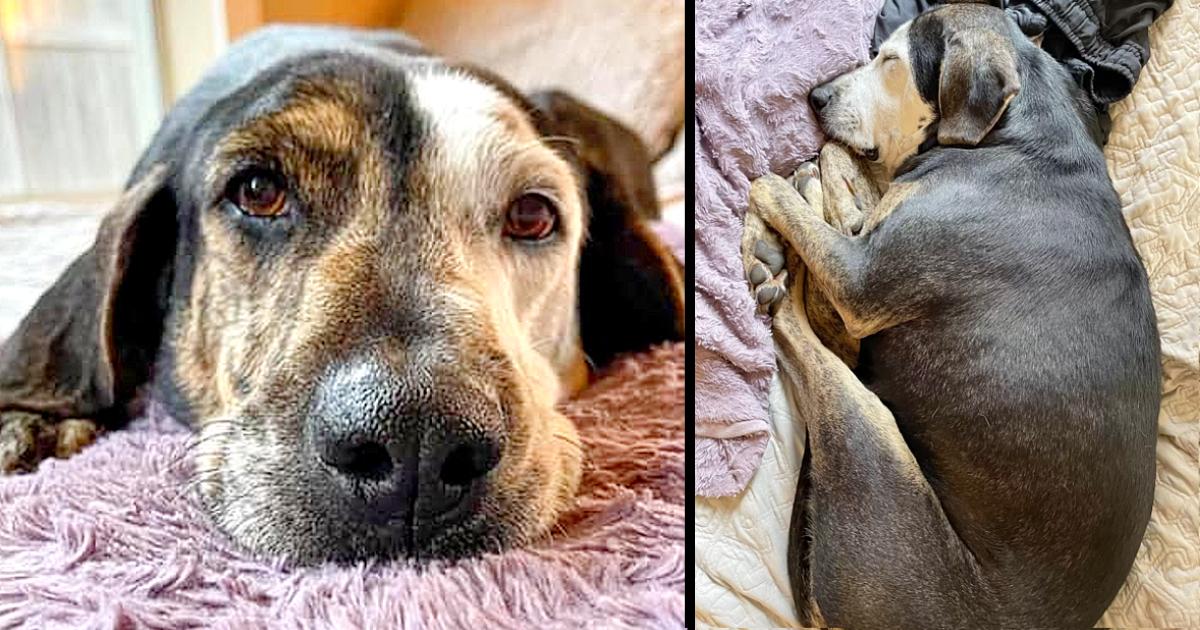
x,y
888,57
530,218
258,193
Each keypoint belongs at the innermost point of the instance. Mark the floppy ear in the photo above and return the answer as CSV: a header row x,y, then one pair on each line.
x,y
978,79
90,340
630,285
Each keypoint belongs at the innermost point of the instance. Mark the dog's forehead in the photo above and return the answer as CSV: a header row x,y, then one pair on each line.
x,y
481,147
465,112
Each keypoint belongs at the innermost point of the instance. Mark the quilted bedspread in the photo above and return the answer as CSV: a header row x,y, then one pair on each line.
x,y
1154,159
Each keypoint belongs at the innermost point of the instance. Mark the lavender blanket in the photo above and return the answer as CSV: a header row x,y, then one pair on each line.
x,y
112,538
755,63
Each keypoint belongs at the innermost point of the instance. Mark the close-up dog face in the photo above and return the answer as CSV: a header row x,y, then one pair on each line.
x,y
422,241
367,278
948,73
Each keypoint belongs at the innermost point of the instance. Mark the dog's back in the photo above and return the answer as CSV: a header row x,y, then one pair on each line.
x,y
1046,319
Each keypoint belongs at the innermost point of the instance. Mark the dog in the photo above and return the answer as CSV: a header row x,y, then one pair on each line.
x,y
365,275
981,422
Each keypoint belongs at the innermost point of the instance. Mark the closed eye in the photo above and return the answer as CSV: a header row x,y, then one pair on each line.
x,y
887,57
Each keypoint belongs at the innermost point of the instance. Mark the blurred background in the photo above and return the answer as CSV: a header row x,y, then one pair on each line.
x,y
84,84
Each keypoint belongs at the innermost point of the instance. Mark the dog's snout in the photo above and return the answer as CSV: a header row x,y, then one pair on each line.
x,y
401,453
820,97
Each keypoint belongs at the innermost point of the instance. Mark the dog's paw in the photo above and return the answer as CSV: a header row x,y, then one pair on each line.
x,y
807,181
850,193
28,438
778,202
763,256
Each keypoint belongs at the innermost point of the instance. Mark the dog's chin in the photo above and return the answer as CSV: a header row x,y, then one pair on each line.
x,y
320,529
847,136
859,148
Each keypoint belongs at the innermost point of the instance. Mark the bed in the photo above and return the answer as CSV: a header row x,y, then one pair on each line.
x,y
1154,158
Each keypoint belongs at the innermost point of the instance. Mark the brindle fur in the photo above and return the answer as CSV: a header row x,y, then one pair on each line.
x,y
389,267
990,461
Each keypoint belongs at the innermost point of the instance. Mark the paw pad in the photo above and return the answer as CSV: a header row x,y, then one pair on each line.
x,y
770,254
769,294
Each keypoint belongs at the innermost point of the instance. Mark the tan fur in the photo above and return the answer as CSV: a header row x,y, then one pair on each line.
x,y
383,298
878,106
73,435
320,116
804,359
896,195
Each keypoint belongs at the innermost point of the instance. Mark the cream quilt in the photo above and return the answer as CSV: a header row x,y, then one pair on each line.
x,y
1154,158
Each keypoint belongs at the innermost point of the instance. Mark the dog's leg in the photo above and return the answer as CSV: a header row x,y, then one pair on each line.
x,y
848,196
868,532
837,262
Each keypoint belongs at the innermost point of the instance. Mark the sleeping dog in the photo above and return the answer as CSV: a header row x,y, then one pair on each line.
x,y
989,462
366,276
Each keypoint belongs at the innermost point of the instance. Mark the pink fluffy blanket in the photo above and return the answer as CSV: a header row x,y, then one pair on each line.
x,y
755,63
112,538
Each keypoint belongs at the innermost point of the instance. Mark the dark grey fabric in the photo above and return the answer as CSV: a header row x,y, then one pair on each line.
x,y
892,14
1103,43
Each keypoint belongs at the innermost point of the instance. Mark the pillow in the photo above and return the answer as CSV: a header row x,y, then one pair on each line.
x,y
625,58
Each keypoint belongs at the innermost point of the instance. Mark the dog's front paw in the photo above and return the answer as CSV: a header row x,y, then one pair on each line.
x,y
807,181
780,201
28,438
763,257
849,194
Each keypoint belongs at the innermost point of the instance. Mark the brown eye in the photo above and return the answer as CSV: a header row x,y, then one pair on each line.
x,y
259,193
530,218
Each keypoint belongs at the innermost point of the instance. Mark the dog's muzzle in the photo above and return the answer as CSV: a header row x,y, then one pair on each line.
x,y
408,452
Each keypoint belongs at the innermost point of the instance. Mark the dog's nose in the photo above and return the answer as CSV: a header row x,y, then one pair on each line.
x,y
820,97
455,460
398,474
400,457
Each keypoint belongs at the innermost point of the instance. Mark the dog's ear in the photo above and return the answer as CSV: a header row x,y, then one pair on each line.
x,y
978,79
90,340
630,284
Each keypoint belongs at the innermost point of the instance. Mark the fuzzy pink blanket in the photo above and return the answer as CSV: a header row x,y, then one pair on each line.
x,y
112,539
755,64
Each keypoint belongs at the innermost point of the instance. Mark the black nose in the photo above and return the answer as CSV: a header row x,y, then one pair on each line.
x,y
820,97
454,460
401,459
